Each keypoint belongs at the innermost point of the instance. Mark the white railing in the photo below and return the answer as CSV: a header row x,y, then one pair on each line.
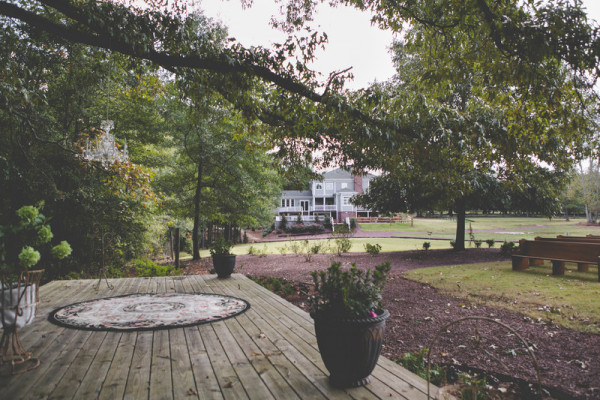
x,y
324,208
289,209
294,218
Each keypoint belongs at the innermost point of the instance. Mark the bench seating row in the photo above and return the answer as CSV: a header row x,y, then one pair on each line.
x,y
582,250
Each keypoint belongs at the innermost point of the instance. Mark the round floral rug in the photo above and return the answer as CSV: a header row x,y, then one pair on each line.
x,y
148,311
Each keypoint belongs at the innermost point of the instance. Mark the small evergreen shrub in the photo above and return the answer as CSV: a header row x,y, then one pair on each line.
x,y
427,245
490,243
507,247
373,249
268,230
284,223
478,243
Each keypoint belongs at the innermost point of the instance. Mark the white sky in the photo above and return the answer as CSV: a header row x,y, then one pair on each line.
x,y
353,41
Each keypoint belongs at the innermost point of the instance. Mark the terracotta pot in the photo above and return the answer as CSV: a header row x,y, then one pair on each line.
x,y
350,348
224,264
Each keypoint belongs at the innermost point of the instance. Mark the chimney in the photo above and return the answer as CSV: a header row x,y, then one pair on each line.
x,y
358,188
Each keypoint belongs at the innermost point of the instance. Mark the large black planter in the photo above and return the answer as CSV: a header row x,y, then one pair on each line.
x,y
350,348
224,264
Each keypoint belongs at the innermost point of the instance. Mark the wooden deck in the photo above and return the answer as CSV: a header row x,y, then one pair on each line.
x,y
269,352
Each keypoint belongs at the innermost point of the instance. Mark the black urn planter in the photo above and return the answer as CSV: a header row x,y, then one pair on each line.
x,y
223,264
350,348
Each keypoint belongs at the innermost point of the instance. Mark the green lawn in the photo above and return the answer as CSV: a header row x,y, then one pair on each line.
x,y
571,300
387,245
497,228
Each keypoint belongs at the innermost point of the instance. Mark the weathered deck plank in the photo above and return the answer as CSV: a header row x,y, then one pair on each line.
x,y
268,352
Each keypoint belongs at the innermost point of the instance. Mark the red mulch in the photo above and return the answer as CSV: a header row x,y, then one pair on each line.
x,y
569,361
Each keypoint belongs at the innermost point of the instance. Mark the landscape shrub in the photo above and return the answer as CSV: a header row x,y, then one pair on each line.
x,y
284,222
313,229
478,243
507,247
317,247
255,251
373,249
327,223
453,244
295,247
342,229
268,230
427,245
417,364
145,267
276,285
342,245
490,243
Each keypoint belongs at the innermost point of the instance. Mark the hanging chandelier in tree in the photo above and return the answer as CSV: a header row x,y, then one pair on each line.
x,y
105,148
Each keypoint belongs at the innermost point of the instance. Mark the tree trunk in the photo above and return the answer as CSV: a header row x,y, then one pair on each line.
x,y
585,193
195,236
460,224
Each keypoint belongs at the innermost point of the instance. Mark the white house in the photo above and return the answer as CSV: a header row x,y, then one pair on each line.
x,y
331,196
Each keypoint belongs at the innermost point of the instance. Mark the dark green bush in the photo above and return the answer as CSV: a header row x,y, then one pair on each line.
x,y
312,229
372,249
145,267
507,247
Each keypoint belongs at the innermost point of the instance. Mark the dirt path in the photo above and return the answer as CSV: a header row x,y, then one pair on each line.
x,y
569,361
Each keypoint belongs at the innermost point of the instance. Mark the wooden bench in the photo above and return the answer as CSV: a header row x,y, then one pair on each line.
x,y
558,252
582,239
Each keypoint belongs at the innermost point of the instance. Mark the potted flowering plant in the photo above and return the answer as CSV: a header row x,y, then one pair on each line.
x,y
223,260
349,321
17,256
19,286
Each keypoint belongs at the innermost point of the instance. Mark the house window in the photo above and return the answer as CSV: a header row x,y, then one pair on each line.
x,y
344,185
345,201
329,186
319,186
292,202
282,202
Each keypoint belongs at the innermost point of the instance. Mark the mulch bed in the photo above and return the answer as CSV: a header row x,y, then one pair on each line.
x,y
569,361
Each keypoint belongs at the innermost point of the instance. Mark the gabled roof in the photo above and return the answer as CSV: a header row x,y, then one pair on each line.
x,y
296,193
340,173
337,173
